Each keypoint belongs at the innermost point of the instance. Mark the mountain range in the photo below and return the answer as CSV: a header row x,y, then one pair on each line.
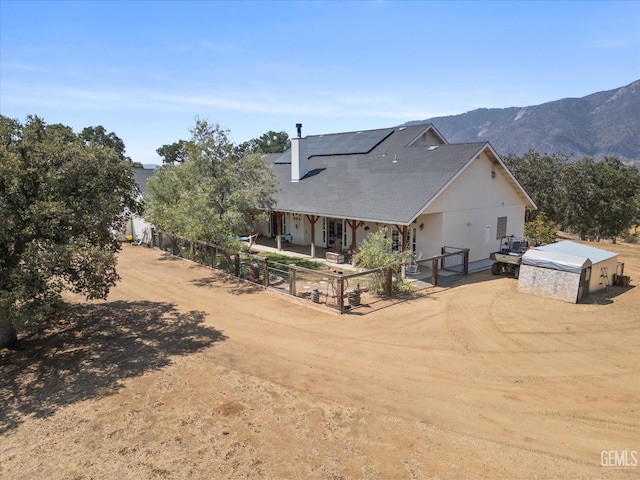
x,y
597,125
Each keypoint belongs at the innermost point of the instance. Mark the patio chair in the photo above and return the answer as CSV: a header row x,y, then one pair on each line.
x,y
412,269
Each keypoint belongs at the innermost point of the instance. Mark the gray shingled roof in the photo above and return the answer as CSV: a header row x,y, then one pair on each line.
x,y
391,183
140,176
343,143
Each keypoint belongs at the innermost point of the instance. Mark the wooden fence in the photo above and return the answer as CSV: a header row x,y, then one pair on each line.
x,y
308,283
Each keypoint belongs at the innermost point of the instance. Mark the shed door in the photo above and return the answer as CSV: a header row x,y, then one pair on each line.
x,y
583,287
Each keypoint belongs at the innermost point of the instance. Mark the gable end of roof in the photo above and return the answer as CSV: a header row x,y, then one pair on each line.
x,y
430,128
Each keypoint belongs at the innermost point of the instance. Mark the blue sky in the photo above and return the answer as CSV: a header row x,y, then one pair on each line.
x,y
145,70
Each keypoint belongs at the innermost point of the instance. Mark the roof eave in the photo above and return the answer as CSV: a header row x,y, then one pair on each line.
x,y
358,219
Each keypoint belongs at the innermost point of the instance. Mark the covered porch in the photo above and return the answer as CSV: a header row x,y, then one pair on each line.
x,y
317,235
267,244
422,278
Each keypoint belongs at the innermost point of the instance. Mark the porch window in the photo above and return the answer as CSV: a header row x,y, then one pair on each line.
x,y
324,231
273,225
396,243
344,233
414,235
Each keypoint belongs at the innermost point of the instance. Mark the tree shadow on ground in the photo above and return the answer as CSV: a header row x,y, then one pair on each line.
x,y
90,350
233,284
169,257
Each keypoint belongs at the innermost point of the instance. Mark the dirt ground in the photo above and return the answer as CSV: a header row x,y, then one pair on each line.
x,y
186,373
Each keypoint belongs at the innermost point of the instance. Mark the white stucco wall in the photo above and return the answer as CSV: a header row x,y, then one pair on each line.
x,y
263,229
472,204
298,226
477,229
429,239
136,227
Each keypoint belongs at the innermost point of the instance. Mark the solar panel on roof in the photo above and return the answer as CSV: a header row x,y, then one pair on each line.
x,y
346,143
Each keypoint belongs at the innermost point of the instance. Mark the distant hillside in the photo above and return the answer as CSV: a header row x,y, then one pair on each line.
x,y
604,123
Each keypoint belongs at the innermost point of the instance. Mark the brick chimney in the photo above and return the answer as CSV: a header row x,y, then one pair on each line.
x,y
299,157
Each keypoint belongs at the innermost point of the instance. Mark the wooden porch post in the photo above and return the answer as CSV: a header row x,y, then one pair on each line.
x,y
405,238
354,224
313,219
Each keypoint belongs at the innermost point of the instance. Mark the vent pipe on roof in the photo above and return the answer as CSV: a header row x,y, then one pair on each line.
x,y
299,157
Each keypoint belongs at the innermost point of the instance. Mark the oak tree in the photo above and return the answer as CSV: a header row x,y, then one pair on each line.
x,y
214,196
62,198
173,153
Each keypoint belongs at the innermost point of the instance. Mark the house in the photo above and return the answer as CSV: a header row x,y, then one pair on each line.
x,y
566,271
430,194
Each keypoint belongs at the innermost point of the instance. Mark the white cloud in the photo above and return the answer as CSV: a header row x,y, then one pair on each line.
x,y
23,67
615,42
255,101
321,105
216,46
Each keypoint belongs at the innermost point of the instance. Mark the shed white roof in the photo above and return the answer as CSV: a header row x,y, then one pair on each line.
x,y
555,261
567,247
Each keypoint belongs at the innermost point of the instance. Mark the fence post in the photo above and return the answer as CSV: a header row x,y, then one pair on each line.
x,y
340,293
434,272
266,273
388,287
236,261
292,279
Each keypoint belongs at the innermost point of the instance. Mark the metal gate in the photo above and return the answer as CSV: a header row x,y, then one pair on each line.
x,y
454,259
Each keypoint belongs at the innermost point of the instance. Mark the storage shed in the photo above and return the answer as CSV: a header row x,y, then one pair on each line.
x,y
604,263
554,275
566,271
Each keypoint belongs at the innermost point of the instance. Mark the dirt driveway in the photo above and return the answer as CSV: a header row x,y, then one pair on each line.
x,y
186,373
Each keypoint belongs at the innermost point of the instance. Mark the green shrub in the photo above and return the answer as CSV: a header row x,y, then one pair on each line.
x,y
376,252
541,230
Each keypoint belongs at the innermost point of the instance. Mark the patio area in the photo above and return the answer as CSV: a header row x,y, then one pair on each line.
x,y
420,280
423,278
268,244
